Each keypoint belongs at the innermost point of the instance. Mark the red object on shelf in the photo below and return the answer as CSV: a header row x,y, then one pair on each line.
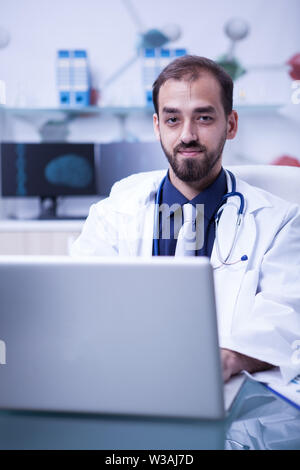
x,y
286,160
94,96
294,62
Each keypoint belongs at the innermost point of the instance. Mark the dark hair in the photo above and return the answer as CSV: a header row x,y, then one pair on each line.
x,y
189,67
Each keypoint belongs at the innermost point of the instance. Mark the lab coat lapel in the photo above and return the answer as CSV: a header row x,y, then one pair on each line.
x,y
139,232
228,279
146,239
138,216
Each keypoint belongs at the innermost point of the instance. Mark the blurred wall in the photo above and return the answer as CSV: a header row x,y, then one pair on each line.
x,y
107,31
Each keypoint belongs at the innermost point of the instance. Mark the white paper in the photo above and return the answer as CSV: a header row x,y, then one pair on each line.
x,y
272,376
273,379
231,389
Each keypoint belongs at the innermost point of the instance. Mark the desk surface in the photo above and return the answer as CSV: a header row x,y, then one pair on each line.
x,y
7,225
258,420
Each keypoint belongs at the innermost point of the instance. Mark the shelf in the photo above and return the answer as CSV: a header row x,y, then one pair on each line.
x,y
258,108
122,111
53,123
30,225
76,111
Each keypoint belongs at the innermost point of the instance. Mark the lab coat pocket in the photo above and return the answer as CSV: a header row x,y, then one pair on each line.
x,y
245,299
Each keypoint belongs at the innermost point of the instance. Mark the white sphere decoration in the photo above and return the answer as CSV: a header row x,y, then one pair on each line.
x,y
171,31
236,29
4,38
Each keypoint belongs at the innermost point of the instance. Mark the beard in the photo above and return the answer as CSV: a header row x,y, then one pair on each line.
x,y
192,169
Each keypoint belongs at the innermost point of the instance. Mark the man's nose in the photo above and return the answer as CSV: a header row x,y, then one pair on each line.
x,y
188,132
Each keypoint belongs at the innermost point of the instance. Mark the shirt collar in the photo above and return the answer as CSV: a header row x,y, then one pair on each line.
x,y
210,196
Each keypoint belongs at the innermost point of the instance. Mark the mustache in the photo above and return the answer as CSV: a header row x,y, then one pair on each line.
x,y
192,144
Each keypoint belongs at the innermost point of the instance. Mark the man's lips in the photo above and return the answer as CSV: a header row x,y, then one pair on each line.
x,y
190,152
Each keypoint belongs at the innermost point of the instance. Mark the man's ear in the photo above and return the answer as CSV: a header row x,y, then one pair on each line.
x,y
156,126
232,125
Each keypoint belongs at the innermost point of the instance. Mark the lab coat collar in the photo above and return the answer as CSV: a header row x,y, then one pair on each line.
x,y
136,192
141,189
255,198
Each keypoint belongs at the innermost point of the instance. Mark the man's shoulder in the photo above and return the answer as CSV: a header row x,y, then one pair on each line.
x,y
258,199
265,185
145,180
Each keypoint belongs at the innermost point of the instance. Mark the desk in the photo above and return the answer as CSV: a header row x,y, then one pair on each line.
x,y
258,420
38,237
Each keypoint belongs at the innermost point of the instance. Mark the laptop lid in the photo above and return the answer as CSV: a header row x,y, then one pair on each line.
x,y
120,336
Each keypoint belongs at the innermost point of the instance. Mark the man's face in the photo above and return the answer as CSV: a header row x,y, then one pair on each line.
x,y
192,126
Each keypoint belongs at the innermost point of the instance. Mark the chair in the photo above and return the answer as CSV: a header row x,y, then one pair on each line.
x,y
283,181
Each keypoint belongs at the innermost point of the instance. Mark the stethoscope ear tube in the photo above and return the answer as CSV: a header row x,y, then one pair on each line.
x,y
226,260
156,218
240,213
227,196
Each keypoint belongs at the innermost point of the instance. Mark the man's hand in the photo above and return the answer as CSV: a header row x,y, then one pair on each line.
x,y
234,362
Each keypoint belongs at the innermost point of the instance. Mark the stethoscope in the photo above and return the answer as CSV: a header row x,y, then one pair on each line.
x,y
240,212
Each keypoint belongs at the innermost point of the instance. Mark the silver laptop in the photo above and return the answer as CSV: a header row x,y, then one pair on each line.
x,y
110,336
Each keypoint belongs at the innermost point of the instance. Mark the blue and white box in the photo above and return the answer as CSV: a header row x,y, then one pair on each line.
x,y
81,78
149,72
154,61
165,57
179,52
64,77
73,78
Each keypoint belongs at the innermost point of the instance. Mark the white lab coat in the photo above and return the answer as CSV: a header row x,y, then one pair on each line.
x,y
258,300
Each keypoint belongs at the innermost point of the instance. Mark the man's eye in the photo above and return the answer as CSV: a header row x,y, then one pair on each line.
x,y
205,118
172,120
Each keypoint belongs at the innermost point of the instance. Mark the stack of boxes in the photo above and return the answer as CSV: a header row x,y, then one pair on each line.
x,y
154,61
73,78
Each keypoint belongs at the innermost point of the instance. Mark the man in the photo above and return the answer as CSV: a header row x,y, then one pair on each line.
x,y
258,319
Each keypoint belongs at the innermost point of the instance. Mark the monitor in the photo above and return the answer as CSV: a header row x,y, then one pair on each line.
x,y
121,159
47,170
